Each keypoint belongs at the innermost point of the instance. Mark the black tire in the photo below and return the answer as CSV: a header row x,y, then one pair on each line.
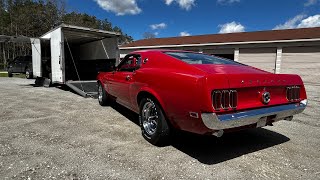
x,y
156,132
103,96
10,74
29,74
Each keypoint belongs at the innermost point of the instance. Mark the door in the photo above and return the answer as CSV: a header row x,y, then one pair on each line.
x,y
304,61
57,56
36,57
123,78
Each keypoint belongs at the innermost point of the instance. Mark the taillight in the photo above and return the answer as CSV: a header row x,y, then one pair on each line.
x,y
293,93
224,99
216,100
233,99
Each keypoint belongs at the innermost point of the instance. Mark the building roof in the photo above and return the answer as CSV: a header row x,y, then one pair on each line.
x,y
211,39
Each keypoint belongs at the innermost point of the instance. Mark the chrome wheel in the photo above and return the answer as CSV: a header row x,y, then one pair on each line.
x,y
149,117
100,93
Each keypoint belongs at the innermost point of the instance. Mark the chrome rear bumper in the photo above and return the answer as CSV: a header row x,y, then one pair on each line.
x,y
258,116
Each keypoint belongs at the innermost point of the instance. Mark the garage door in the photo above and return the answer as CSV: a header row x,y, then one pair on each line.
x,y
304,61
262,58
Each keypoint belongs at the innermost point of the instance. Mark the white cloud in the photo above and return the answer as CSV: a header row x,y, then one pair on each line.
x,y
311,21
184,4
231,27
291,23
300,21
168,2
184,33
311,2
158,26
120,8
227,1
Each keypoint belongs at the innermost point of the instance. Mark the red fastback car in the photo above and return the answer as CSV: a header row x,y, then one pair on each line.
x,y
199,93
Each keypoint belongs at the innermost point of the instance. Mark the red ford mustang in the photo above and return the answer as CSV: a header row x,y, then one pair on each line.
x,y
199,93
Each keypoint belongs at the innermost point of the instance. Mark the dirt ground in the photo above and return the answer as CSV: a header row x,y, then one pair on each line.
x,y
51,133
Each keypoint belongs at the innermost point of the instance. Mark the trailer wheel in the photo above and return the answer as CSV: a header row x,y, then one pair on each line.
x,y
103,96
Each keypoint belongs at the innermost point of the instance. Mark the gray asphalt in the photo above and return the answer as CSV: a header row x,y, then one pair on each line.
x,y
51,133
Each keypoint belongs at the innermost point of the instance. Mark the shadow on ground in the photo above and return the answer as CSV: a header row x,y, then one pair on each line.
x,y
212,150
209,149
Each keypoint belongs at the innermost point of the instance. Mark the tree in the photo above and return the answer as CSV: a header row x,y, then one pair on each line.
x,y
85,20
33,18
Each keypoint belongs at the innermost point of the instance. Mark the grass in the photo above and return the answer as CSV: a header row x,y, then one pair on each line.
x,y
5,74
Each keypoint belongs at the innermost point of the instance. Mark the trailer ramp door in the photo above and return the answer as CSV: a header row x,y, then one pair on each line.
x,y
84,88
57,56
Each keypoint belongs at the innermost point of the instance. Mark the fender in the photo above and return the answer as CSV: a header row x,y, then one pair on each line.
x,y
162,104
153,93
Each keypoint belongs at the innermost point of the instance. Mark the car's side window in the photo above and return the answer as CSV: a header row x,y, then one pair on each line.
x,y
130,63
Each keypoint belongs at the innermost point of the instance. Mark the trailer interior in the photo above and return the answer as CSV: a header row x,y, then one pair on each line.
x,y
74,56
85,54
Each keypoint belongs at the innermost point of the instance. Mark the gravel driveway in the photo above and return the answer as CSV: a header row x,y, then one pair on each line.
x,y
51,133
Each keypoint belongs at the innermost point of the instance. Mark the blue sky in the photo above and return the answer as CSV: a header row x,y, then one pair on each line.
x,y
168,18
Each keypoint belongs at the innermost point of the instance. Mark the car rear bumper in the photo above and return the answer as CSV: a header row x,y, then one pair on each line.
x,y
257,116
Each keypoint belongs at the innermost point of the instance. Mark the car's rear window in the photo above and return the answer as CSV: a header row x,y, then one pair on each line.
x,y
197,58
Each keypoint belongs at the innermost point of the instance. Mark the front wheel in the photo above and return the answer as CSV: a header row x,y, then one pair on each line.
x,y
153,123
102,95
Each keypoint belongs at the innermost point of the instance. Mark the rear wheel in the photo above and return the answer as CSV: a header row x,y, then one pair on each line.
x,y
153,123
10,74
102,96
28,74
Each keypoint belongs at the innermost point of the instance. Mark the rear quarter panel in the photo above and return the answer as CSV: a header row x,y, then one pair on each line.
x,y
179,88
177,93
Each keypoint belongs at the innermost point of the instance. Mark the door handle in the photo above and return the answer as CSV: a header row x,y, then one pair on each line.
x,y
128,77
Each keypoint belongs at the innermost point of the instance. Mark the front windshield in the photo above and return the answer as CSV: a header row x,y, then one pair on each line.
x,y
196,58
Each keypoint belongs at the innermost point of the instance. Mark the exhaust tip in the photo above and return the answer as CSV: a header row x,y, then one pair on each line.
x,y
218,133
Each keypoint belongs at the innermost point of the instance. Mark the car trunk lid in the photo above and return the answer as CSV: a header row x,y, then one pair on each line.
x,y
251,84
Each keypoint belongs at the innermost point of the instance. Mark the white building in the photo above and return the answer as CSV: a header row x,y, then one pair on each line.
x,y
279,51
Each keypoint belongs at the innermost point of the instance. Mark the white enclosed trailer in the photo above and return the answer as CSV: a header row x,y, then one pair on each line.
x,y
74,55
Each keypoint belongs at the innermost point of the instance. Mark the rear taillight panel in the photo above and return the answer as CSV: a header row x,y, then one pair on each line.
x,y
224,99
293,93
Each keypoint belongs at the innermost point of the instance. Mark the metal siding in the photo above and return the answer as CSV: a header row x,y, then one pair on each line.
x,y
218,51
57,56
101,49
262,58
36,57
304,61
